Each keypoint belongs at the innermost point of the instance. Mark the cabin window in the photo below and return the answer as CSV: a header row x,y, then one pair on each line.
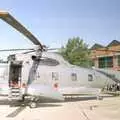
x,y
48,62
90,77
55,76
74,76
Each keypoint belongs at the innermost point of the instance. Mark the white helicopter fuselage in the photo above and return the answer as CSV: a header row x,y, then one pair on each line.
x,y
53,70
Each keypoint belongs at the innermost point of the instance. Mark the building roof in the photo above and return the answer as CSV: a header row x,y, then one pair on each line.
x,y
96,46
113,43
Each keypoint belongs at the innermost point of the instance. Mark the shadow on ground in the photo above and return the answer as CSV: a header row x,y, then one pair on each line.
x,y
20,106
43,103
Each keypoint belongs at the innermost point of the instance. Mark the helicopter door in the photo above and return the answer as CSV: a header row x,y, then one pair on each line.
x,y
15,75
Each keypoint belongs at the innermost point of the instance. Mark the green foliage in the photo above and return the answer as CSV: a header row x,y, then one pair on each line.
x,y
76,52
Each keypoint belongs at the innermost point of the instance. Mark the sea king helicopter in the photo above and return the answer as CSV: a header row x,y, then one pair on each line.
x,y
38,74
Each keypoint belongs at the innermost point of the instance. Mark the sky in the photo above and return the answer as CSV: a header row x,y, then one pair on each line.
x,y
53,22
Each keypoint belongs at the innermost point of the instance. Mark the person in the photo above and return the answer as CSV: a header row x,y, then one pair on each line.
x,y
118,87
14,83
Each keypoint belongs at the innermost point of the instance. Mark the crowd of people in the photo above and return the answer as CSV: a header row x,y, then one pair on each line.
x,y
113,87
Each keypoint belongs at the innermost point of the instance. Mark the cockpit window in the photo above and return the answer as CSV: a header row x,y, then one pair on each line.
x,y
48,62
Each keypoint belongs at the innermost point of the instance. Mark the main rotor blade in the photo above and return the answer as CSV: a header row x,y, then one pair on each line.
x,y
15,24
5,50
28,52
53,48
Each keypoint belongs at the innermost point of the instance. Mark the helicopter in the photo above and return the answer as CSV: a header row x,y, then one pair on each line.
x,y
39,74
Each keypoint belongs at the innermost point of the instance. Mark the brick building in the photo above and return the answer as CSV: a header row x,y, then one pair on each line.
x,y
106,56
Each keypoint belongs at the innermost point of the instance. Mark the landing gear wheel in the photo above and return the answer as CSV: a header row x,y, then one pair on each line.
x,y
99,97
33,104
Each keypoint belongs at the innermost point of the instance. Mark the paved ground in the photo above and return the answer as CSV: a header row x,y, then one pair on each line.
x,y
107,109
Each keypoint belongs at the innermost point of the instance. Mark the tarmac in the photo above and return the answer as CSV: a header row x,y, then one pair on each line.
x,y
106,109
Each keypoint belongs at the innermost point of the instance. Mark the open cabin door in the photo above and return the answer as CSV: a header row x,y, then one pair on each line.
x,y
15,74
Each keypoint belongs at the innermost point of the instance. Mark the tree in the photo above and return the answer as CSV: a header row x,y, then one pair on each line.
x,y
76,52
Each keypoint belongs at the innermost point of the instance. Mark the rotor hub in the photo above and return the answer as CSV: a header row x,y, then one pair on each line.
x,y
38,51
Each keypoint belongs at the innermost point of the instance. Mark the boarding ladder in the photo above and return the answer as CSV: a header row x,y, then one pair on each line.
x,y
15,93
